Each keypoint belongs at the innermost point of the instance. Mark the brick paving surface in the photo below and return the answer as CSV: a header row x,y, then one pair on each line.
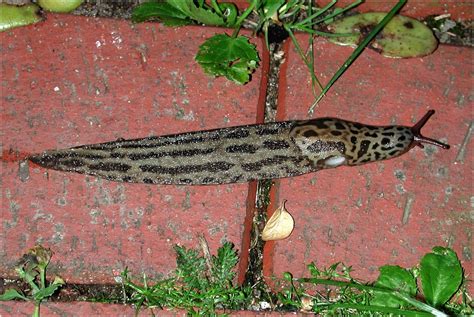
x,y
73,80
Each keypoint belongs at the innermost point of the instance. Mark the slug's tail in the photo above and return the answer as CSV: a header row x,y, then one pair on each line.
x,y
420,139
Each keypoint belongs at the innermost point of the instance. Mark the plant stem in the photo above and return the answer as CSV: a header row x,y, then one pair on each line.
x,y
314,79
358,51
243,17
420,305
36,312
312,16
332,15
383,309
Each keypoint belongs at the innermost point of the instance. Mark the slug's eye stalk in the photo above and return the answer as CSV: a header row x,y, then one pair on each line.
x,y
420,139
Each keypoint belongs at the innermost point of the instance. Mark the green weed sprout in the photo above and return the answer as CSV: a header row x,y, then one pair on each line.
x,y
32,269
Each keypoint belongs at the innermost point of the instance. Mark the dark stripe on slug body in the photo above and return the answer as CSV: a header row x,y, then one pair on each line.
x,y
148,181
275,145
242,148
126,179
88,156
69,163
256,166
264,131
101,166
237,134
174,154
208,167
167,140
208,180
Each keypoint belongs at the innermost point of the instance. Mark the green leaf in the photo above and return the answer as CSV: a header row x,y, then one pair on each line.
x,y
47,291
178,12
395,278
234,58
202,14
224,263
167,13
401,37
441,275
12,16
12,294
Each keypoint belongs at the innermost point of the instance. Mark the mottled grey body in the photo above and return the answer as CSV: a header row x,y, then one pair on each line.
x,y
237,154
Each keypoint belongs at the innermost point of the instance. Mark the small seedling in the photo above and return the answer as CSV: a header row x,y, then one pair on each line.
x,y
32,269
434,288
201,283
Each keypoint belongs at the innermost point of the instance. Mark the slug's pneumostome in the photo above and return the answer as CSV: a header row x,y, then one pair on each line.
x,y
239,154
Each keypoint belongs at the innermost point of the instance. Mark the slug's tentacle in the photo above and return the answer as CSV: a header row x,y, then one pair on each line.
x,y
239,154
420,139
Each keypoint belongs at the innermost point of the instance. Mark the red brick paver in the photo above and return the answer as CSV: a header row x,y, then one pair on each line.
x,y
74,80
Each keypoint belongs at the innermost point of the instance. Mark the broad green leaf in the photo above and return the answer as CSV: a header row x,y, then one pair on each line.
x,y
12,294
441,275
12,16
168,14
401,37
395,278
177,12
202,14
234,58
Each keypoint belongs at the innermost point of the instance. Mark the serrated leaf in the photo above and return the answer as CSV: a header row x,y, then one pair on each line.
x,y
401,37
224,263
12,294
395,278
234,58
441,275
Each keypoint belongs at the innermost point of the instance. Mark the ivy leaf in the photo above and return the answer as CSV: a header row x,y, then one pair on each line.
x,y
396,278
234,58
441,275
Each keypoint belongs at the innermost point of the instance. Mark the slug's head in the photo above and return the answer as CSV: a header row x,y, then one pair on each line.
x,y
382,143
329,142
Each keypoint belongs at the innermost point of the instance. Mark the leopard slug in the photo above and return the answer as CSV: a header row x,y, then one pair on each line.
x,y
239,154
